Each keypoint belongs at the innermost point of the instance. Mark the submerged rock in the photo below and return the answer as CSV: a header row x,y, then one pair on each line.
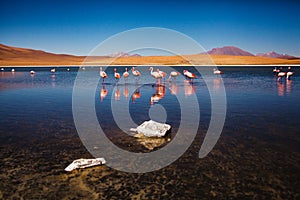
x,y
84,163
152,129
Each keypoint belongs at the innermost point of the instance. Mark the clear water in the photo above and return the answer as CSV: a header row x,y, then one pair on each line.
x,y
257,153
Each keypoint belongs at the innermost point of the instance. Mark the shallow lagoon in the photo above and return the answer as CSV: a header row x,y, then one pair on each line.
x,y
257,155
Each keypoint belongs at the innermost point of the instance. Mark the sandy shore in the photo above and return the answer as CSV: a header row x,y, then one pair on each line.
x,y
148,60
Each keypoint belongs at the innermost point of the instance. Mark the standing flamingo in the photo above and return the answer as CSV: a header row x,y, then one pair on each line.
x,y
126,74
289,73
280,75
117,75
173,75
102,74
162,73
155,75
135,73
189,75
52,70
275,71
217,71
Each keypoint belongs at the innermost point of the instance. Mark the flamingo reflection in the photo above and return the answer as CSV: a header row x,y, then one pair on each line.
x,y
174,88
117,93
126,91
280,87
53,80
159,94
136,94
188,88
288,86
103,92
217,83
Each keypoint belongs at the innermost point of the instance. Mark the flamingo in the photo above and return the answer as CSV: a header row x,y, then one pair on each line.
x,y
12,70
289,73
32,72
2,69
280,75
155,75
52,70
275,70
173,74
162,73
126,74
189,75
102,74
135,72
117,75
217,71
68,69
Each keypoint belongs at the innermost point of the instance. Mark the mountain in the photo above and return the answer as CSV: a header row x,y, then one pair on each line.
x,y
15,56
9,52
229,50
123,54
22,56
273,54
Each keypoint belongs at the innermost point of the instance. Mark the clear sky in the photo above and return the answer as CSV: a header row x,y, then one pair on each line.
x,y
76,27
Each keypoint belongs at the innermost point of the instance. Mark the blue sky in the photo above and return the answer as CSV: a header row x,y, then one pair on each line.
x,y
76,27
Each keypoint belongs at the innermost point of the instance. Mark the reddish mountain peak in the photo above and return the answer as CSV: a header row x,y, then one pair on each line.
x,y
229,50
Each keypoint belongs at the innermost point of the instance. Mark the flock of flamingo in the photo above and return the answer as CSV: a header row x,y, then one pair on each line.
x,y
280,73
160,91
158,74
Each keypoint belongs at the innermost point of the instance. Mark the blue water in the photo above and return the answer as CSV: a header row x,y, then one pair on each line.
x,y
262,119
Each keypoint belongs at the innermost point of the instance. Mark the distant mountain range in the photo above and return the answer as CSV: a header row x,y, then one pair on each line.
x,y
229,55
123,54
235,51
273,54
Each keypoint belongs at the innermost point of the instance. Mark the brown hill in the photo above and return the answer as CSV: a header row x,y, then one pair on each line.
x,y
22,56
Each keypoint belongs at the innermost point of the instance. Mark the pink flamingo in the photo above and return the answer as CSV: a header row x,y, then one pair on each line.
x,y
217,71
189,75
126,74
117,75
102,74
155,75
162,73
280,75
173,74
135,73
289,73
